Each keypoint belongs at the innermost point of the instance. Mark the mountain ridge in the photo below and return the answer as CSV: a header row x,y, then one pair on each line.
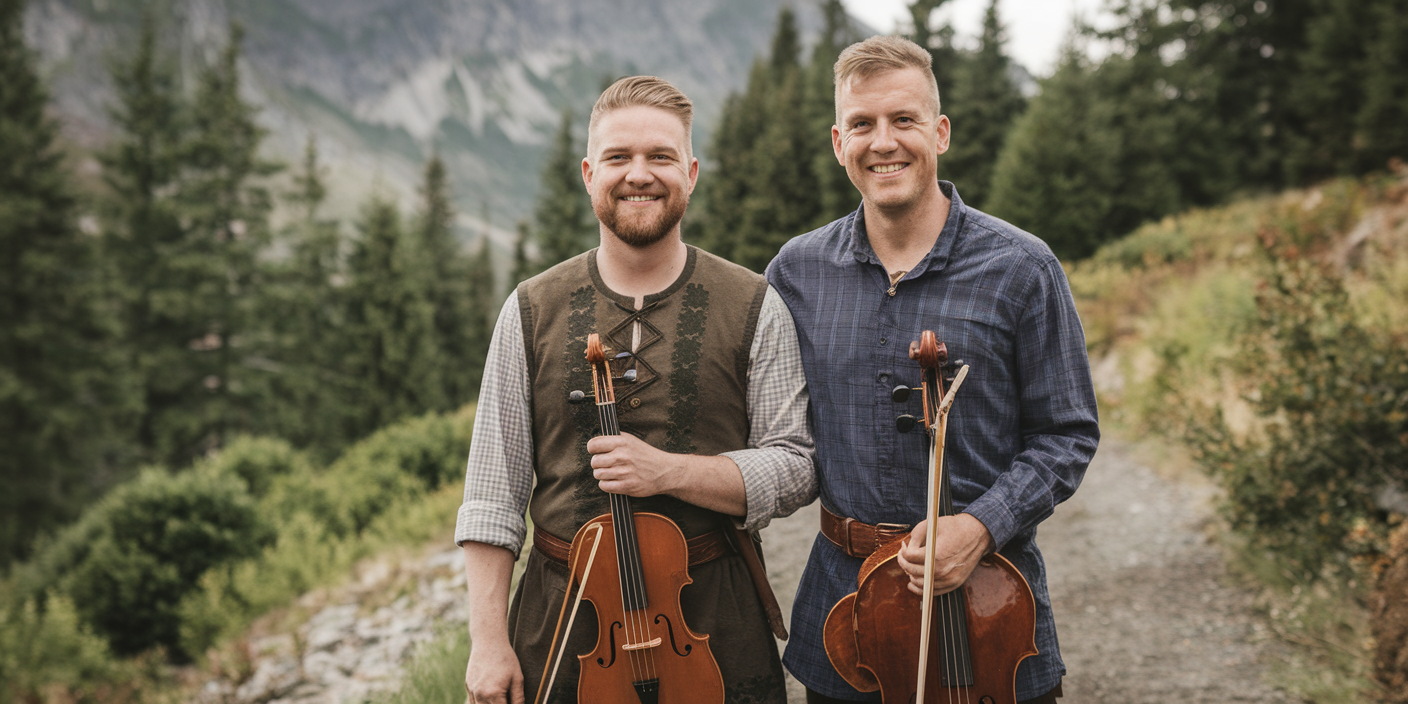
x,y
384,85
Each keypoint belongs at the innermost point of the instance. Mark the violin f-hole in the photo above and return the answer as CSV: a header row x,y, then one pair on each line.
x,y
614,625
673,646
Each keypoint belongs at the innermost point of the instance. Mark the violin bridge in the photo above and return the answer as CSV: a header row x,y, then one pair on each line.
x,y
642,646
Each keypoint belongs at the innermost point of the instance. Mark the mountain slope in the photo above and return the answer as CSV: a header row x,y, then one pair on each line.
x,y
383,83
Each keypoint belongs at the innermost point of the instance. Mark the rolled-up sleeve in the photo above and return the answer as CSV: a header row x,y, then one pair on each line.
x,y
499,476
778,472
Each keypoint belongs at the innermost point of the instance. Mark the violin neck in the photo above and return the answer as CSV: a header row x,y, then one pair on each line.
x,y
623,526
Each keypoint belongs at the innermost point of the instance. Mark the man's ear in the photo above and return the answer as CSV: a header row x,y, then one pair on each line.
x,y
587,174
944,129
693,173
836,144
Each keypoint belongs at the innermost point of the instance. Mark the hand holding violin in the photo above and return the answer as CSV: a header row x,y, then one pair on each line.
x,y
961,541
624,464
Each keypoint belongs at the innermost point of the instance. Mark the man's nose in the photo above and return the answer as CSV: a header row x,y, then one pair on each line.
x,y
884,141
639,174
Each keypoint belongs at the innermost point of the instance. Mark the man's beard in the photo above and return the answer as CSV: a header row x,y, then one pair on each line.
x,y
640,230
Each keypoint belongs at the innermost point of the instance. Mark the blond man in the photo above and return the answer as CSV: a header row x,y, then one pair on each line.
x,y
913,257
713,427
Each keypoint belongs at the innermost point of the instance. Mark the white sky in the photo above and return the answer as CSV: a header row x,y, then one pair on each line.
x,y
1035,28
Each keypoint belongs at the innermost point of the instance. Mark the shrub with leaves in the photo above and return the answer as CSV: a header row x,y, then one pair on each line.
x,y
132,558
1330,397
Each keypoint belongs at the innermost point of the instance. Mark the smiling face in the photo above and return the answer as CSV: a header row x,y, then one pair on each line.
x,y
890,137
639,172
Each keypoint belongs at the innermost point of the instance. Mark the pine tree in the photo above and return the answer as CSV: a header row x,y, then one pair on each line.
x,y
60,389
1328,92
781,200
217,379
981,108
484,303
835,194
563,218
1058,174
143,229
304,308
523,267
449,287
391,323
1382,122
945,55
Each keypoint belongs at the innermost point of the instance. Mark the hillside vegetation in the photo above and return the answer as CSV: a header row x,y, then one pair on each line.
x,y
172,565
1268,338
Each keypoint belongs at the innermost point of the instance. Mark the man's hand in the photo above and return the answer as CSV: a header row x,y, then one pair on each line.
x,y
493,675
625,464
960,541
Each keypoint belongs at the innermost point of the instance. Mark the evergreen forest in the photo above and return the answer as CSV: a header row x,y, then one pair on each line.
x,y
215,396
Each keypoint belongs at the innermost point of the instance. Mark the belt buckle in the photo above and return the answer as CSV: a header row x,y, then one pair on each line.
x,y
892,529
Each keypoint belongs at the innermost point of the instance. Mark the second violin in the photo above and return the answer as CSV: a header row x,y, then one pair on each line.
x,y
961,646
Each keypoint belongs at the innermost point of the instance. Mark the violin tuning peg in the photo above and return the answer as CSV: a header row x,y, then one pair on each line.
x,y
900,394
905,423
629,376
576,397
951,369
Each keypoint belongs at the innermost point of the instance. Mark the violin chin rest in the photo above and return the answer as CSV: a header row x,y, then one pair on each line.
x,y
839,639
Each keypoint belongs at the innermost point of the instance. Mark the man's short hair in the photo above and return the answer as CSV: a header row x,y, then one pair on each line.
x,y
879,54
645,91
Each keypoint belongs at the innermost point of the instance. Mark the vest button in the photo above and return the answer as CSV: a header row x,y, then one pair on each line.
x,y
635,402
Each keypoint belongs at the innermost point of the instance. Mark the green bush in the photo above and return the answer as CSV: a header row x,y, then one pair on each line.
x,y
260,461
177,562
157,535
1330,396
49,647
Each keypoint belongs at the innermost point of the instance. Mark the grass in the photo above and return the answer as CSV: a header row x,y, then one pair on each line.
x,y
435,674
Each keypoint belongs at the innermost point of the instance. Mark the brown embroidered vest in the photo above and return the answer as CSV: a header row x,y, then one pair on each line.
x,y
690,395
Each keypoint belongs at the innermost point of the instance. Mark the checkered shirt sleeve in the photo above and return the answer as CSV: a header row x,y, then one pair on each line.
x,y
778,473
499,477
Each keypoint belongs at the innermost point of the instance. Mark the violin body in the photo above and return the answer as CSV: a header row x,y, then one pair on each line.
x,y
873,635
960,646
627,654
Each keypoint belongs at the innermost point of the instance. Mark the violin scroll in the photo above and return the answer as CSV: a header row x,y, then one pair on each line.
x,y
928,351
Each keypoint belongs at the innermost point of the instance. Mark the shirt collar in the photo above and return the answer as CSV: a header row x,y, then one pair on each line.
x,y
858,242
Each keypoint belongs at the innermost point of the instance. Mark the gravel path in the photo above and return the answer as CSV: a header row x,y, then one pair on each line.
x,y
1143,606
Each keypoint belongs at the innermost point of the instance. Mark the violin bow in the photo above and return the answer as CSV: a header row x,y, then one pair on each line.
x,y
926,351
545,682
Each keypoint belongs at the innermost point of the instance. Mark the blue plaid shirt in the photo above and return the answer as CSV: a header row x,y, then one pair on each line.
x,y
1023,426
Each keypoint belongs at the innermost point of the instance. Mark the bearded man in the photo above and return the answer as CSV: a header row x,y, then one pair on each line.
x,y
913,257
714,430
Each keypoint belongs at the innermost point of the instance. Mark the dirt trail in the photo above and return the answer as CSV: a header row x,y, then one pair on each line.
x,y
1143,607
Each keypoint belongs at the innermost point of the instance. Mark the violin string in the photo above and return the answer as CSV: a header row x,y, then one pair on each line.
x,y
632,578
628,623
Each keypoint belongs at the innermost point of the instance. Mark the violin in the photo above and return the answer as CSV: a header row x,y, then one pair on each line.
x,y
961,646
631,566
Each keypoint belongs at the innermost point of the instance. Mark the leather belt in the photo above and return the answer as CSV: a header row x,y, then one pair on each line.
x,y
702,548
859,539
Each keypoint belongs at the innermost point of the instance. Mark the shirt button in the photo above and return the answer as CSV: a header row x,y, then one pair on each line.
x,y
883,340
635,402
884,377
